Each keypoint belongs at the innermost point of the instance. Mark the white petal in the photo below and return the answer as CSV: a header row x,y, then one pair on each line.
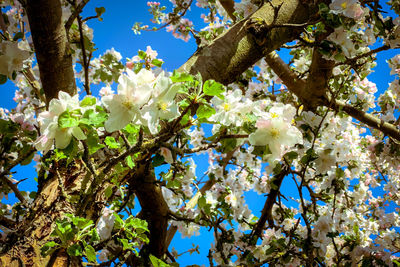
x,y
78,133
63,138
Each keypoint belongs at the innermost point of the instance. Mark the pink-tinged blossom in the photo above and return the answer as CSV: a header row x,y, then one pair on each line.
x,y
106,90
276,131
348,8
166,153
152,54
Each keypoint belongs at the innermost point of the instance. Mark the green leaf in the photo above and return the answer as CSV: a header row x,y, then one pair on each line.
x,y
212,88
93,143
130,162
339,173
181,77
48,248
142,54
99,12
90,253
91,117
139,224
108,192
131,129
228,144
65,120
205,112
75,250
125,244
28,159
94,236
111,143
157,262
119,223
88,101
202,202
3,79
156,62
71,150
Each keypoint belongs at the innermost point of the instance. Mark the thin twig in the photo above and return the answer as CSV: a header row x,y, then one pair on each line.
x,y
77,11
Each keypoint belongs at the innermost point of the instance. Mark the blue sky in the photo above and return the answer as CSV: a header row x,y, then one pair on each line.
x,y
115,31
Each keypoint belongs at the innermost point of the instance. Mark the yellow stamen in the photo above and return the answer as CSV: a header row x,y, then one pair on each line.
x,y
227,107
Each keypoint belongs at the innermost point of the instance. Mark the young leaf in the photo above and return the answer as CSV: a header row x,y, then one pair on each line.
x,y
212,88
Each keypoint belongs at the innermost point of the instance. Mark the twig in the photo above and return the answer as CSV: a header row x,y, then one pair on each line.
x,y
229,6
174,19
14,188
350,61
77,11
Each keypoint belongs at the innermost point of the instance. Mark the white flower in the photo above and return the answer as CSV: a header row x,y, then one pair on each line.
x,y
106,90
276,133
12,58
349,8
228,110
105,224
341,37
134,91
166,153
50,129
162,105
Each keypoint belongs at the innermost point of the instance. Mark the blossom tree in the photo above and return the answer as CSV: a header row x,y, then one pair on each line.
x,y
312,119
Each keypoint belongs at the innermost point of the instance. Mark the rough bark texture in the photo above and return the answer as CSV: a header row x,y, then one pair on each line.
x,y
239,48
51,47
34,231
154,208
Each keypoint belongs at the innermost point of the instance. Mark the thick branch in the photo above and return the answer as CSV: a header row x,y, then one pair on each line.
x,y
238,49
317,81
370,120
51,47
288,77
154,208
297,87
4,221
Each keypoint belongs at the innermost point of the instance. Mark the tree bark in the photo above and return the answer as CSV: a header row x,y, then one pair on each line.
x,y
51,47
239,48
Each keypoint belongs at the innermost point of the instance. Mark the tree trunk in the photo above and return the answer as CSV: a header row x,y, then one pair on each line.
x,y
51,47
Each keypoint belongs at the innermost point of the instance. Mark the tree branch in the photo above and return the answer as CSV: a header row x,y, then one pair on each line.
x,y
74,15
51,47
297,87
8,223
370,120
237,49
229,6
